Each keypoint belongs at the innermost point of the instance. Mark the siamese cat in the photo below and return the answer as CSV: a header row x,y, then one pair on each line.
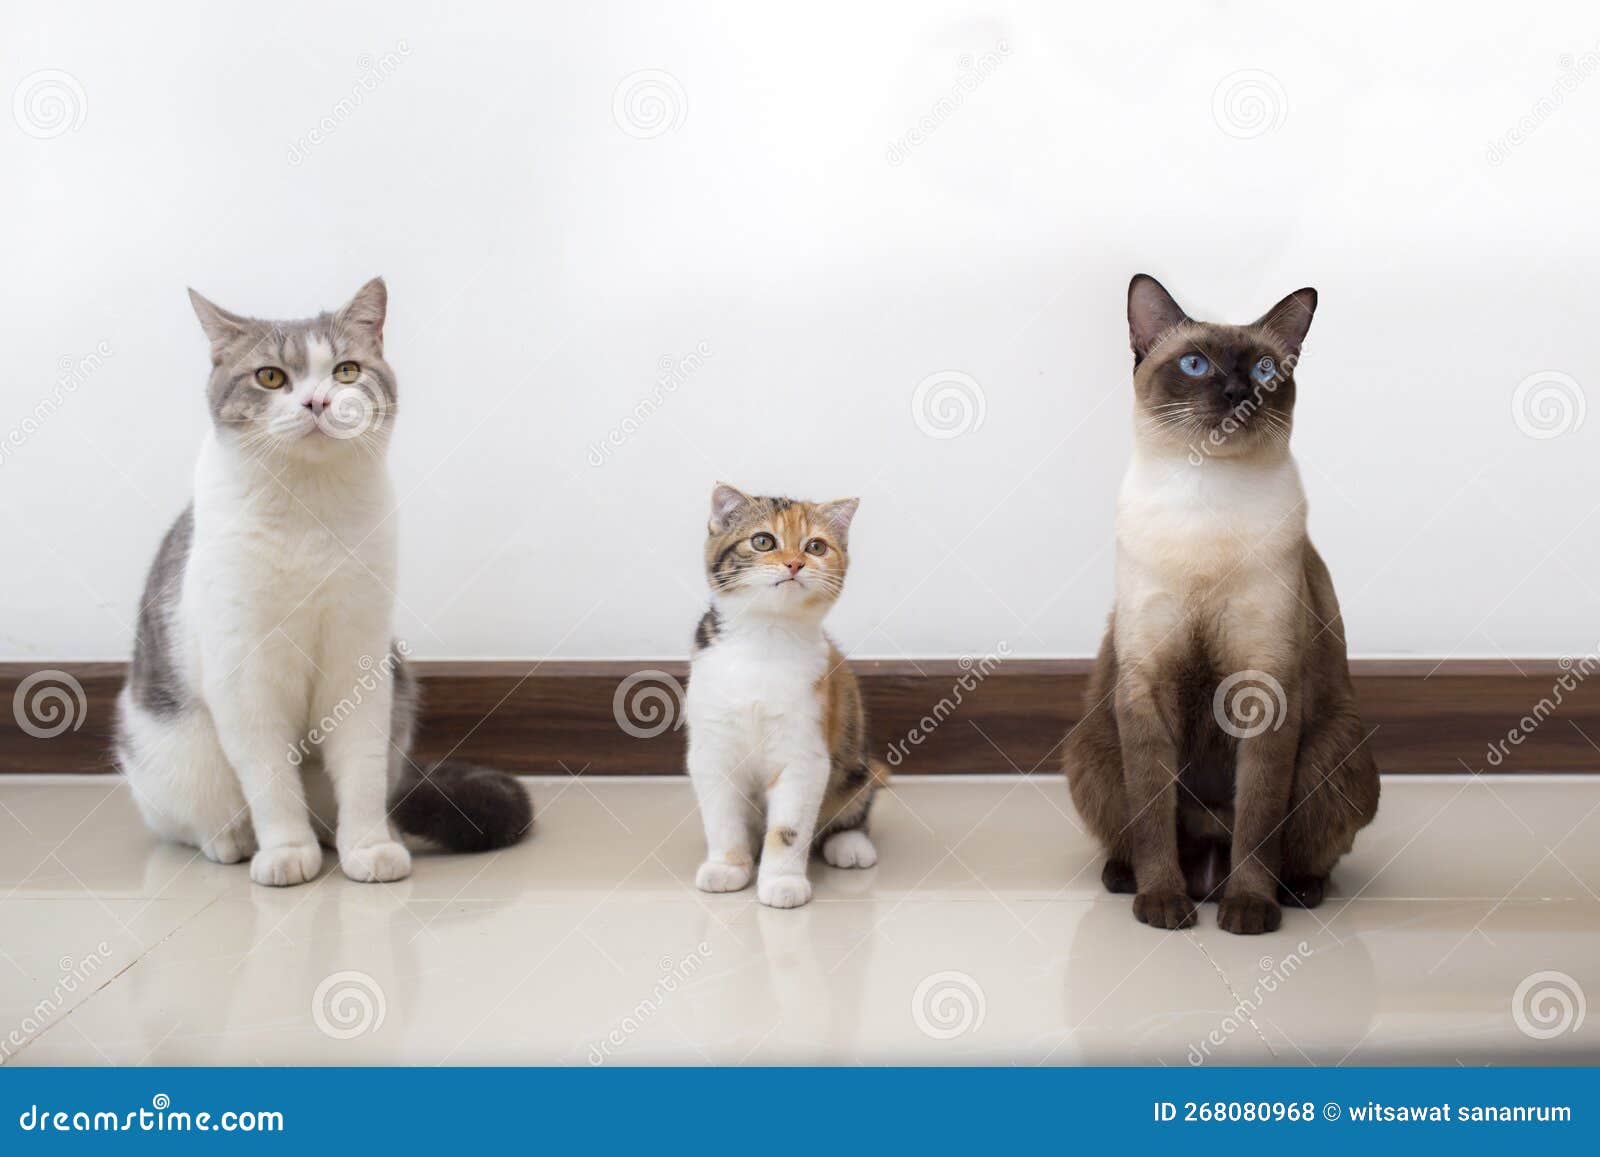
x,y
1220,754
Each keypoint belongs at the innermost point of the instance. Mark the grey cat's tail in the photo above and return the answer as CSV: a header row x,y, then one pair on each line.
x,y
462,807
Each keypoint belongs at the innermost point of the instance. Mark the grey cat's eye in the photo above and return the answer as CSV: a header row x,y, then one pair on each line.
x,y
271,377
346,372
816,546
763,541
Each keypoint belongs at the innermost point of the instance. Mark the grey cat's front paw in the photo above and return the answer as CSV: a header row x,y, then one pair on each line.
x,y
784,891
230,845
376,863
286,865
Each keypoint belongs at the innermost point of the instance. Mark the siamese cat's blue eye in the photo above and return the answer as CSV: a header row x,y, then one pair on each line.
x,y
1265,370
1193,364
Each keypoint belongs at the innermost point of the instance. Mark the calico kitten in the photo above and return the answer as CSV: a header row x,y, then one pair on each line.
x,y
1220,752
268,614
777,736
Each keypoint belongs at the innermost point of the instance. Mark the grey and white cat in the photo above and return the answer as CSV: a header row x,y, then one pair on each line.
x,y
267,710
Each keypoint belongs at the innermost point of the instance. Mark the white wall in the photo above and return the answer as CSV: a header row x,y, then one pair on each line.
x,y
542,261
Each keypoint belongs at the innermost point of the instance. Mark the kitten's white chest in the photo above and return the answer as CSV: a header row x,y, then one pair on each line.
x,y
754,688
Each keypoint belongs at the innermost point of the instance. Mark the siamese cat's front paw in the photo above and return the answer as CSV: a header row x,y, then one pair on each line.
x,y
286,865
1248,915
1164,909
783,891
376,863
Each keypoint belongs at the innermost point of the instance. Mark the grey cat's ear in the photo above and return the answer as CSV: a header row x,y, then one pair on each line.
x,y
1291,318
366,310
1151,314
839,513
221,326
726,501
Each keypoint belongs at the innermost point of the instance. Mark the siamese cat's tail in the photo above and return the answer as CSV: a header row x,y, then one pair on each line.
x,y
462,807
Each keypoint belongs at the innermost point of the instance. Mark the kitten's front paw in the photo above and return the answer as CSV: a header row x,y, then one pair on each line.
x,y
376,863
1248,915
286,864
784,891
851,849
716,876
1164,909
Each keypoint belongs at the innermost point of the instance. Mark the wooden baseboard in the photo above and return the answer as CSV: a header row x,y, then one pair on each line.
x,y
940,716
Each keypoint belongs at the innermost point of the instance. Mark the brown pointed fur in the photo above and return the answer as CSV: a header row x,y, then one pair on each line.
x,y
1314,783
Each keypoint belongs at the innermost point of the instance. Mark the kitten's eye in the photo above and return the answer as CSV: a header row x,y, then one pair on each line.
x,y
1265,370
816,546
271,377
346,372
763,541
1193,364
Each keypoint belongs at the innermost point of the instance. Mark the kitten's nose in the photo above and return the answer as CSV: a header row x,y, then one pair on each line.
x,y
794,565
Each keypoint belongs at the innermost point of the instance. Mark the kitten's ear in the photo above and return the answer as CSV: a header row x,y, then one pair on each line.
x,y
1291,318
839,513
726,501
221,326
366,310
1151,313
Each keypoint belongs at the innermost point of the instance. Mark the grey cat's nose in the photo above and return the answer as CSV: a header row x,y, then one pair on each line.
x,y
315,404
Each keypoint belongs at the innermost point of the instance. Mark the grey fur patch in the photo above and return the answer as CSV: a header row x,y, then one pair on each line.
x,y
242,345
154,679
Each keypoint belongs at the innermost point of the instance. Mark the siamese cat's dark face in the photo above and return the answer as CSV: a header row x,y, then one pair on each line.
x,y
1219,391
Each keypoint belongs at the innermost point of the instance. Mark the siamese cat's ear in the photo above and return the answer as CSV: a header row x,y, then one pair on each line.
x,y
366,310
1151,313
726,501
220,326
1289,320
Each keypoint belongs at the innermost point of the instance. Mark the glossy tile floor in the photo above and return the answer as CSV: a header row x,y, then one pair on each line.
x,y
1464,928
